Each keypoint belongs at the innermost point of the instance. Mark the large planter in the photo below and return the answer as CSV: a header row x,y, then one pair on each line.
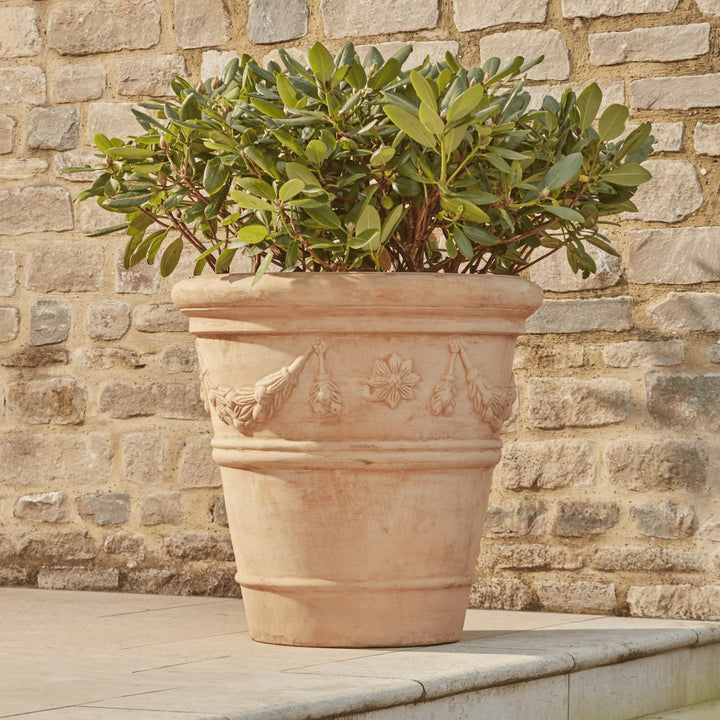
x,y
356,419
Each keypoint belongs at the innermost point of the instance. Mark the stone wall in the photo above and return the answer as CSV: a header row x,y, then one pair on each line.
x,y
608,496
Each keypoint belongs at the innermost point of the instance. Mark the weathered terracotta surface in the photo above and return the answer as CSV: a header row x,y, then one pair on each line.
x,y
356,421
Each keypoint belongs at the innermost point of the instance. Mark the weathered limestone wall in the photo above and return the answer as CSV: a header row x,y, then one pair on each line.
x,y
608,498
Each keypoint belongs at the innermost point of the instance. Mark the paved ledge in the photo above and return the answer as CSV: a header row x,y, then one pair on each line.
x,y
108,656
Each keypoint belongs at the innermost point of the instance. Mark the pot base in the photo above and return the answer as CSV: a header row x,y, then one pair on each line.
x,y
373,618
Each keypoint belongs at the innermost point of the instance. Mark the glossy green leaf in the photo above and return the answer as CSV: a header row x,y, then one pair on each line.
x,y
300,172
391,223
290,189
316,151
107,230
588,103
628,175
321,62
129,152
268,108
465,103
171,256
464,209
190,109
250,202
410,125
388,72
480,235
424,89
382,156
224,260
565,213
564,171
286,90
431,120
252,234
257,187
612,122
102,142
215,175
356,75
127,200
324,216
462,243
263,267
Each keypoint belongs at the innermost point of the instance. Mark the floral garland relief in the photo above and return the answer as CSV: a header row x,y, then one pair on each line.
x,y
392,381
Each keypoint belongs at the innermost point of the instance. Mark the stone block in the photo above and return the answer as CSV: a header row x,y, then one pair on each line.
x,y
613,92
49,321
149,76
181,401
105,509
531,557
667,521
530,44
614,8
43,459
197,468
56,548
8,271
201,27
667,464
214,61
576,596
676,601
567,355
86,28
60,401
126,543
684,400
108,320
36,357
142,458
568,402
677,256
219,512
159,582
114,119
7,134
51,507
199,546
673,193
143,278
272,21
121,400
523,518
667,43
636,353
706,139
434,49
502,594
162,508
78,579
64,266
159,317
22,168
676,93
648,559
554,272
33,210
53,128
668,136
106,358
708,7
80,82
348,18
577,519
75,158
9,323
180,360
687,311
714,353
480,14
25,83
19,33
549,465
573,316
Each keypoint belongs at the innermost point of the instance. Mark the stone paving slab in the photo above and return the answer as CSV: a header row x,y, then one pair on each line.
x,y
68,655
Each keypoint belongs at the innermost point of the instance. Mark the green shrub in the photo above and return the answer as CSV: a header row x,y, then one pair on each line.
x,y
349,165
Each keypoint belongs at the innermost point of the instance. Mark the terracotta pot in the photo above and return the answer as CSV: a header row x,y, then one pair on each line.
x,y
356,419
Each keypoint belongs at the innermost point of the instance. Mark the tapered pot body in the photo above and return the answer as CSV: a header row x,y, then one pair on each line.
x,y
356,423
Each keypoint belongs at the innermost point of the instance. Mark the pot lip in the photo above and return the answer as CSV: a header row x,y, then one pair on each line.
x,y
373,289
